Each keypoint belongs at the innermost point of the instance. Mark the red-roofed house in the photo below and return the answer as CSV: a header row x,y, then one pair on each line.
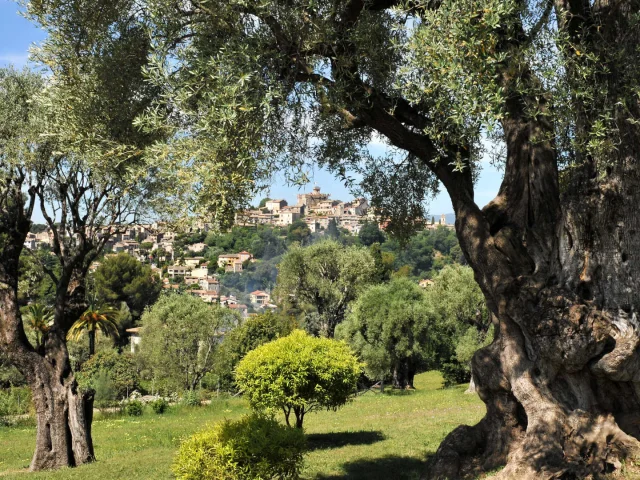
x,y
259,297
244,311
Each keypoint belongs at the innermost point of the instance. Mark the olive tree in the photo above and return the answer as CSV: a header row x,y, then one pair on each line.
x,y
75,154
393,330
325,276
300,374
180,339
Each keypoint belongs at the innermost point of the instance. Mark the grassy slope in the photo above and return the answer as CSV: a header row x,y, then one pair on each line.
x,y
375,437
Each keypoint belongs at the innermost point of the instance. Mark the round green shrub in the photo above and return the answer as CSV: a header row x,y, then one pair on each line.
x,y
299,374
159,406
247,449
134,408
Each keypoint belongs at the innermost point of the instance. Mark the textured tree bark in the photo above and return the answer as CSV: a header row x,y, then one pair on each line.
x,y
561,381
63,414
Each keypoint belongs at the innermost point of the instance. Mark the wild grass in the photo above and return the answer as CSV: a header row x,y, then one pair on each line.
x,y
386,436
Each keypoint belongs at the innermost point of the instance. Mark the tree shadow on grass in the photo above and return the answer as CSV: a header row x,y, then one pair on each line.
x,y
385,468
321,441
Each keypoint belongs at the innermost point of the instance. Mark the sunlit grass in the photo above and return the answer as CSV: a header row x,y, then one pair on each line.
x,y
375,437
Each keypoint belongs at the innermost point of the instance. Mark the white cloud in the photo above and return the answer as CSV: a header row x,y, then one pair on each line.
x,y
15,59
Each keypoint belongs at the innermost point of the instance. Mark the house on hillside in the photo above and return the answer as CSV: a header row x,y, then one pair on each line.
x,y
201,271
241,308
134,338
197,247
207,296
210,284
275,206
179,271
259,298
193,261
288,215
233,262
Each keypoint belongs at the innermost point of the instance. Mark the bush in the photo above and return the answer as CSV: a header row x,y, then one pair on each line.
x,y
250,448
454,373
159,406
134,408
15,401
106,393
299,374
120,369
191,398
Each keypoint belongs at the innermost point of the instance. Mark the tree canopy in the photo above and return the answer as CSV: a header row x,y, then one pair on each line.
x,y
322,279
180,338
393,330
122,278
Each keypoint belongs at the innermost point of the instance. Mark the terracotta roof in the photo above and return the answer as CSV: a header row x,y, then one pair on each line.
x,y
258,292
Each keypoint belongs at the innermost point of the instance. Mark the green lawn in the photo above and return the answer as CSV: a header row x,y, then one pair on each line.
x,y
374,437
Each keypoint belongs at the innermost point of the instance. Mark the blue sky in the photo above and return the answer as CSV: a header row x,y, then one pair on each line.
x,y
17,35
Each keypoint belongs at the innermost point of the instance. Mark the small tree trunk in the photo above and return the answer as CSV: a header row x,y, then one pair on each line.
x,y
299,412
472,386
411,374
92,342
401,375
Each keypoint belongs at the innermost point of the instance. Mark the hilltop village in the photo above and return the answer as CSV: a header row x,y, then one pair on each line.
x,y
191,262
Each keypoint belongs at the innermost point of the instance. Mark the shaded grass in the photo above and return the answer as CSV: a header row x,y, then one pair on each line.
x,y
377,436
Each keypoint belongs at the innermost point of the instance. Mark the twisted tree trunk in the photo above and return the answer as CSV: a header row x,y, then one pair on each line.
x,y
561,381
63,413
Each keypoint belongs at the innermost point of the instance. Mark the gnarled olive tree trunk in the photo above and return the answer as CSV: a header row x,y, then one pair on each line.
x,y
63,413
561,381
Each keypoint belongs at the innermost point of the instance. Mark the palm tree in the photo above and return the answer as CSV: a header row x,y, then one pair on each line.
x,y
93,319
39,318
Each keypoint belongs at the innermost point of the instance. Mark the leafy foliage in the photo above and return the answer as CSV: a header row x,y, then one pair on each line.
x,y
390,326
323,278
299,373
180,338
252,333
370,233
159,406
92,320
120,370
38,318
463,319
122,278
134,408
250,448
